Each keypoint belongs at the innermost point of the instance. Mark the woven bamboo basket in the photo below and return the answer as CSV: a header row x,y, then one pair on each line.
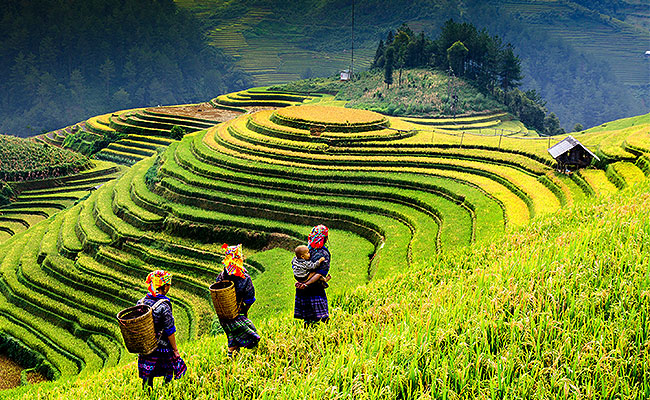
x,y
136,324
224,299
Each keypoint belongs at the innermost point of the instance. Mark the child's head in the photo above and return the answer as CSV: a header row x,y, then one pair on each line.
x,y
302,252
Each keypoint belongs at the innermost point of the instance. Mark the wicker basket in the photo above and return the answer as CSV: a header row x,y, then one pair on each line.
x,y
224,299
136,324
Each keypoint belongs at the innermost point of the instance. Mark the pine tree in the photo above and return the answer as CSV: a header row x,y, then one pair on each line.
x,y
509,69
378,62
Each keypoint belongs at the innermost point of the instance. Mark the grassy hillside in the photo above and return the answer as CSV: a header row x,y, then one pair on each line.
x,y
420,93
557,309
395,194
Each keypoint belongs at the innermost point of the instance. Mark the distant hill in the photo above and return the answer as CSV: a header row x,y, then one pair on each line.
x,y
571,52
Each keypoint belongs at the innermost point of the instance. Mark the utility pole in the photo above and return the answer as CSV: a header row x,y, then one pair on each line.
x,y
352,62
451,91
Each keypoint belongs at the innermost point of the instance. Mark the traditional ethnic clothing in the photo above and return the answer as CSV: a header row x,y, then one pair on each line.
x,y
311,302
240,331
161,362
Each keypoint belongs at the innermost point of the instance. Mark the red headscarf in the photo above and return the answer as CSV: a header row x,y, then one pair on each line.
x,y
317,237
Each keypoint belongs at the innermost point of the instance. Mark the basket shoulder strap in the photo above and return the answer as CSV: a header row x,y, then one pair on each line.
x,y
141,301
159,303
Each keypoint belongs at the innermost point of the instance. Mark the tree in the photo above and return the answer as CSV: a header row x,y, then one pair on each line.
x,y
578,128
106,72
121,99
400,44
509,69
177,132
534,95
388,66
552,125
456,57
389,38
378,62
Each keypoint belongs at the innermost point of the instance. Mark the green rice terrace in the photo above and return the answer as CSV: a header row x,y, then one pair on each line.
x,y
464,264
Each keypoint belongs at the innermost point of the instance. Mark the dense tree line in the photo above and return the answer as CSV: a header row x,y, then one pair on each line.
x,y
460,48
64,61
464,51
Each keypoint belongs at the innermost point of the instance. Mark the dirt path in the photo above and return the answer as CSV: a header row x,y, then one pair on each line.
x,y
205,111
10,374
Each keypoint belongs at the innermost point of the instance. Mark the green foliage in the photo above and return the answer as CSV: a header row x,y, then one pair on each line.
x,y
527,106
177,132
552,125
509,69
6,193
151,176
423,92
471,54
22,159
456,54
388,66
88,143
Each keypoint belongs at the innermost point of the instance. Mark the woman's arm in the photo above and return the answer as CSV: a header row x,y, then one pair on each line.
x,y
314,278
172,342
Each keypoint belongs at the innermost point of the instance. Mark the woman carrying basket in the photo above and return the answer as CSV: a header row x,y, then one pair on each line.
x,y
311,300
240,330
165,360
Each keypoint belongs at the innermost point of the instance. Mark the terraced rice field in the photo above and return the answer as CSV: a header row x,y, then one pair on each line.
x,y
56,138
40,199
391,195
147,130
264,98
601,38
279,58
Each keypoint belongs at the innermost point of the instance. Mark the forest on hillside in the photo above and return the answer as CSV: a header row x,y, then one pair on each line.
x,y
65,61
461,50
577,86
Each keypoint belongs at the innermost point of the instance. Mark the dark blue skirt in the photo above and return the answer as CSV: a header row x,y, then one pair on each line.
x,y
161,363
311,304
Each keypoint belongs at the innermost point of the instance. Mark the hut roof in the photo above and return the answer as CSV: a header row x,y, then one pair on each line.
x,y
567,144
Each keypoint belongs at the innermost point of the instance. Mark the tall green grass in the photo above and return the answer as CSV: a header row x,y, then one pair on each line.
x,y
558,309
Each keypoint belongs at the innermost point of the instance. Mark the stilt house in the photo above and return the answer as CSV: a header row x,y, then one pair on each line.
x,y
571,155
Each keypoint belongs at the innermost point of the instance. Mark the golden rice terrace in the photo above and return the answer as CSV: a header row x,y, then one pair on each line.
x,y
392,192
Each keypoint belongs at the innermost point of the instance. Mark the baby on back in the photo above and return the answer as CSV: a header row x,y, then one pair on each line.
x,y
303,268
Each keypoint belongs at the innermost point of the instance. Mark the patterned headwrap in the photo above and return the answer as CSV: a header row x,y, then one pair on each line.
x,y
317,237
234,261
157,279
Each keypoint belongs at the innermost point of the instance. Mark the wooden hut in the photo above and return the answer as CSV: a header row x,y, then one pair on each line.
x,y
571,155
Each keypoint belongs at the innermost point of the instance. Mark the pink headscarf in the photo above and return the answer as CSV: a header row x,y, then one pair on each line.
x,y
317,237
